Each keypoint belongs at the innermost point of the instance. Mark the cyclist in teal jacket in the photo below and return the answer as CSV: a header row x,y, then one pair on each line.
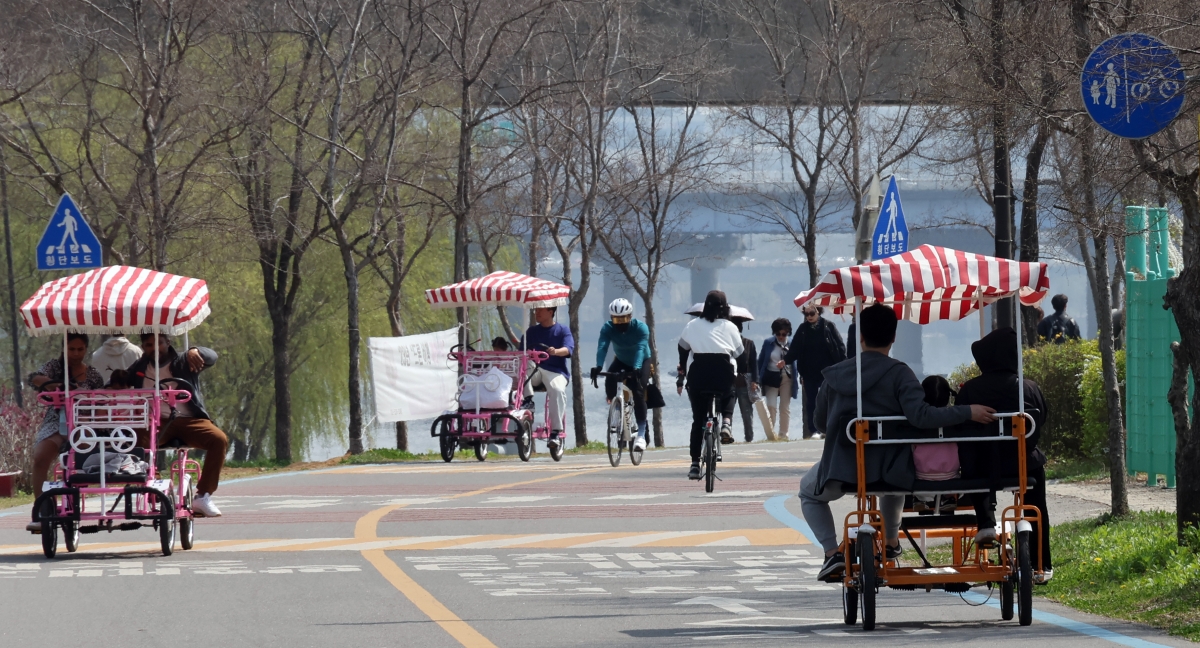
x,y
630,340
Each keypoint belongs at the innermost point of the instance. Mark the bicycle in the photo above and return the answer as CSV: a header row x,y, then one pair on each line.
x,y
710,453
621,419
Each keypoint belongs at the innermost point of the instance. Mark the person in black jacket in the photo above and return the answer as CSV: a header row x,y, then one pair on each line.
x,y
745,383
816,345
1058,327
996,387
191,423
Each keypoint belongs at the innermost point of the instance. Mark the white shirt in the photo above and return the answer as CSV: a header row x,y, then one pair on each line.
x,y
720,336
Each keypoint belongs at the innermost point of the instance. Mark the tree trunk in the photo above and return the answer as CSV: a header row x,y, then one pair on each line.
x,y
657,421
1030,243
578,293
1187,429
280,336
402,436
354,340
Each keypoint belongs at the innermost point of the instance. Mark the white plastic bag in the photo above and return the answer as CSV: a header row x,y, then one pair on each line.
x,y
489,391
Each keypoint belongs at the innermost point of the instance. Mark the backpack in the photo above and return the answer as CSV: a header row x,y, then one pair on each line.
x,y
1058,330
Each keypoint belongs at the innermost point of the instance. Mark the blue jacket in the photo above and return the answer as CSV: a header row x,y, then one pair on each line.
x,y
764,358
631,347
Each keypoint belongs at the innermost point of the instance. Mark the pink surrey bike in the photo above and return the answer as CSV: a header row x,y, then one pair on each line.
x,y
491,383
104,482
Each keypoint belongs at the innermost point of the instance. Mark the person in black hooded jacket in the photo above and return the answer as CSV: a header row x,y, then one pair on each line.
x,y
996,387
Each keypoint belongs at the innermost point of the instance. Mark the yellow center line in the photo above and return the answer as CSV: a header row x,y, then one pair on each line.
x,y
366,529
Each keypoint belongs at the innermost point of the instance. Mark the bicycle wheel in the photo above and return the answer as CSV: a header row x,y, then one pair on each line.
x,y
710,459
616,437
525,440
635,456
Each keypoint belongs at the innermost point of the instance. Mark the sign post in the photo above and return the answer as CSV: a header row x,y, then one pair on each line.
x,y
891,231
68,242
1132,85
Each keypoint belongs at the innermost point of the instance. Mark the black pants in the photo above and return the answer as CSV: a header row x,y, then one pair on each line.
x,y
985,510
812,384
747,409
701,404
638,386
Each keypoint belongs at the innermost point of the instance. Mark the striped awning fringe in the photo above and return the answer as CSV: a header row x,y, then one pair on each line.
x,y
500,288
117,299
930,284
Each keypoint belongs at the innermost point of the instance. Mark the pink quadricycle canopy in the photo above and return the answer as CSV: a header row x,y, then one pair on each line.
x,y
117,299
500,288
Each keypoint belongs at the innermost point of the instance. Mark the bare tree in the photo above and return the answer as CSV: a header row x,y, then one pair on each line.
x,y
667,153
373,74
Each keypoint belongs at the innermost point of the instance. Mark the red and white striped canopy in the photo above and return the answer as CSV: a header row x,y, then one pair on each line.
x,y
500,289
117,299
930,283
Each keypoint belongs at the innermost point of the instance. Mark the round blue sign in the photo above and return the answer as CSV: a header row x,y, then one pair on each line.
x,y
1132,85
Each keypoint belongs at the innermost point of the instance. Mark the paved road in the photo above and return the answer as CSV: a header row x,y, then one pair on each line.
x,y
501,553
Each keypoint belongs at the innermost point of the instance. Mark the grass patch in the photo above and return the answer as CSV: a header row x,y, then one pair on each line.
x,y
1071,470
392,455
255,463
1129,568
592,447
20,499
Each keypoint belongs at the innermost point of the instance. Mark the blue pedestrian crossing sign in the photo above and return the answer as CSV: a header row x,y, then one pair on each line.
x,y
68,242
891,232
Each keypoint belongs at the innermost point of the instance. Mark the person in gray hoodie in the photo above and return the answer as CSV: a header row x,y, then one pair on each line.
x,y
890,388
116,353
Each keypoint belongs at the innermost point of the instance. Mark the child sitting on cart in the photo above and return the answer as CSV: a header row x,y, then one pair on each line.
x,y
996,357
890,388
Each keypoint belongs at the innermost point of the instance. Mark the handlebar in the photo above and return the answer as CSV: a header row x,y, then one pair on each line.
x,y
619,375
1000,436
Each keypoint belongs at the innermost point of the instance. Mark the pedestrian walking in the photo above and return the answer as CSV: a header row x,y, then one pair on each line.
x,y
777,377
817,345
1058,327
746,383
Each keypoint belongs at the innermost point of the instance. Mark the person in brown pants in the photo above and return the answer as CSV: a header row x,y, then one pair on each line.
x,y
191,423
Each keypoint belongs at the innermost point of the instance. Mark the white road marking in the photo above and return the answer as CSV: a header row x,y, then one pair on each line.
x,y
643,496
734,606
508,542
302,504
505,499
741,493
664,589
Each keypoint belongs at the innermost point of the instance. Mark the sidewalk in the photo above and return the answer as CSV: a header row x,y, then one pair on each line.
x,y
1088,499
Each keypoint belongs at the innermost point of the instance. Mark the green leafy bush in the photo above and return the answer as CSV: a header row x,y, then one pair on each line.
x,y
1070,378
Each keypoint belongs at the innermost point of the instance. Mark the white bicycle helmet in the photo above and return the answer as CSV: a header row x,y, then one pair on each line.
x,y
620,307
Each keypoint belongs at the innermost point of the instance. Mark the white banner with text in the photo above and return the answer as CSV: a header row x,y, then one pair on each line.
x,y
413,378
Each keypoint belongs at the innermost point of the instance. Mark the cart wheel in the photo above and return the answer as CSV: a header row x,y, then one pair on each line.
x,y
71,535
1006,600
849,605
49,530
866,582
448,447
1025,572
481,450
557,450
166,528
525,441
187,525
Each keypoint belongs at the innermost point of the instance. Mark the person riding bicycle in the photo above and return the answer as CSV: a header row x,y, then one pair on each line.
x,y
713,344
630,341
